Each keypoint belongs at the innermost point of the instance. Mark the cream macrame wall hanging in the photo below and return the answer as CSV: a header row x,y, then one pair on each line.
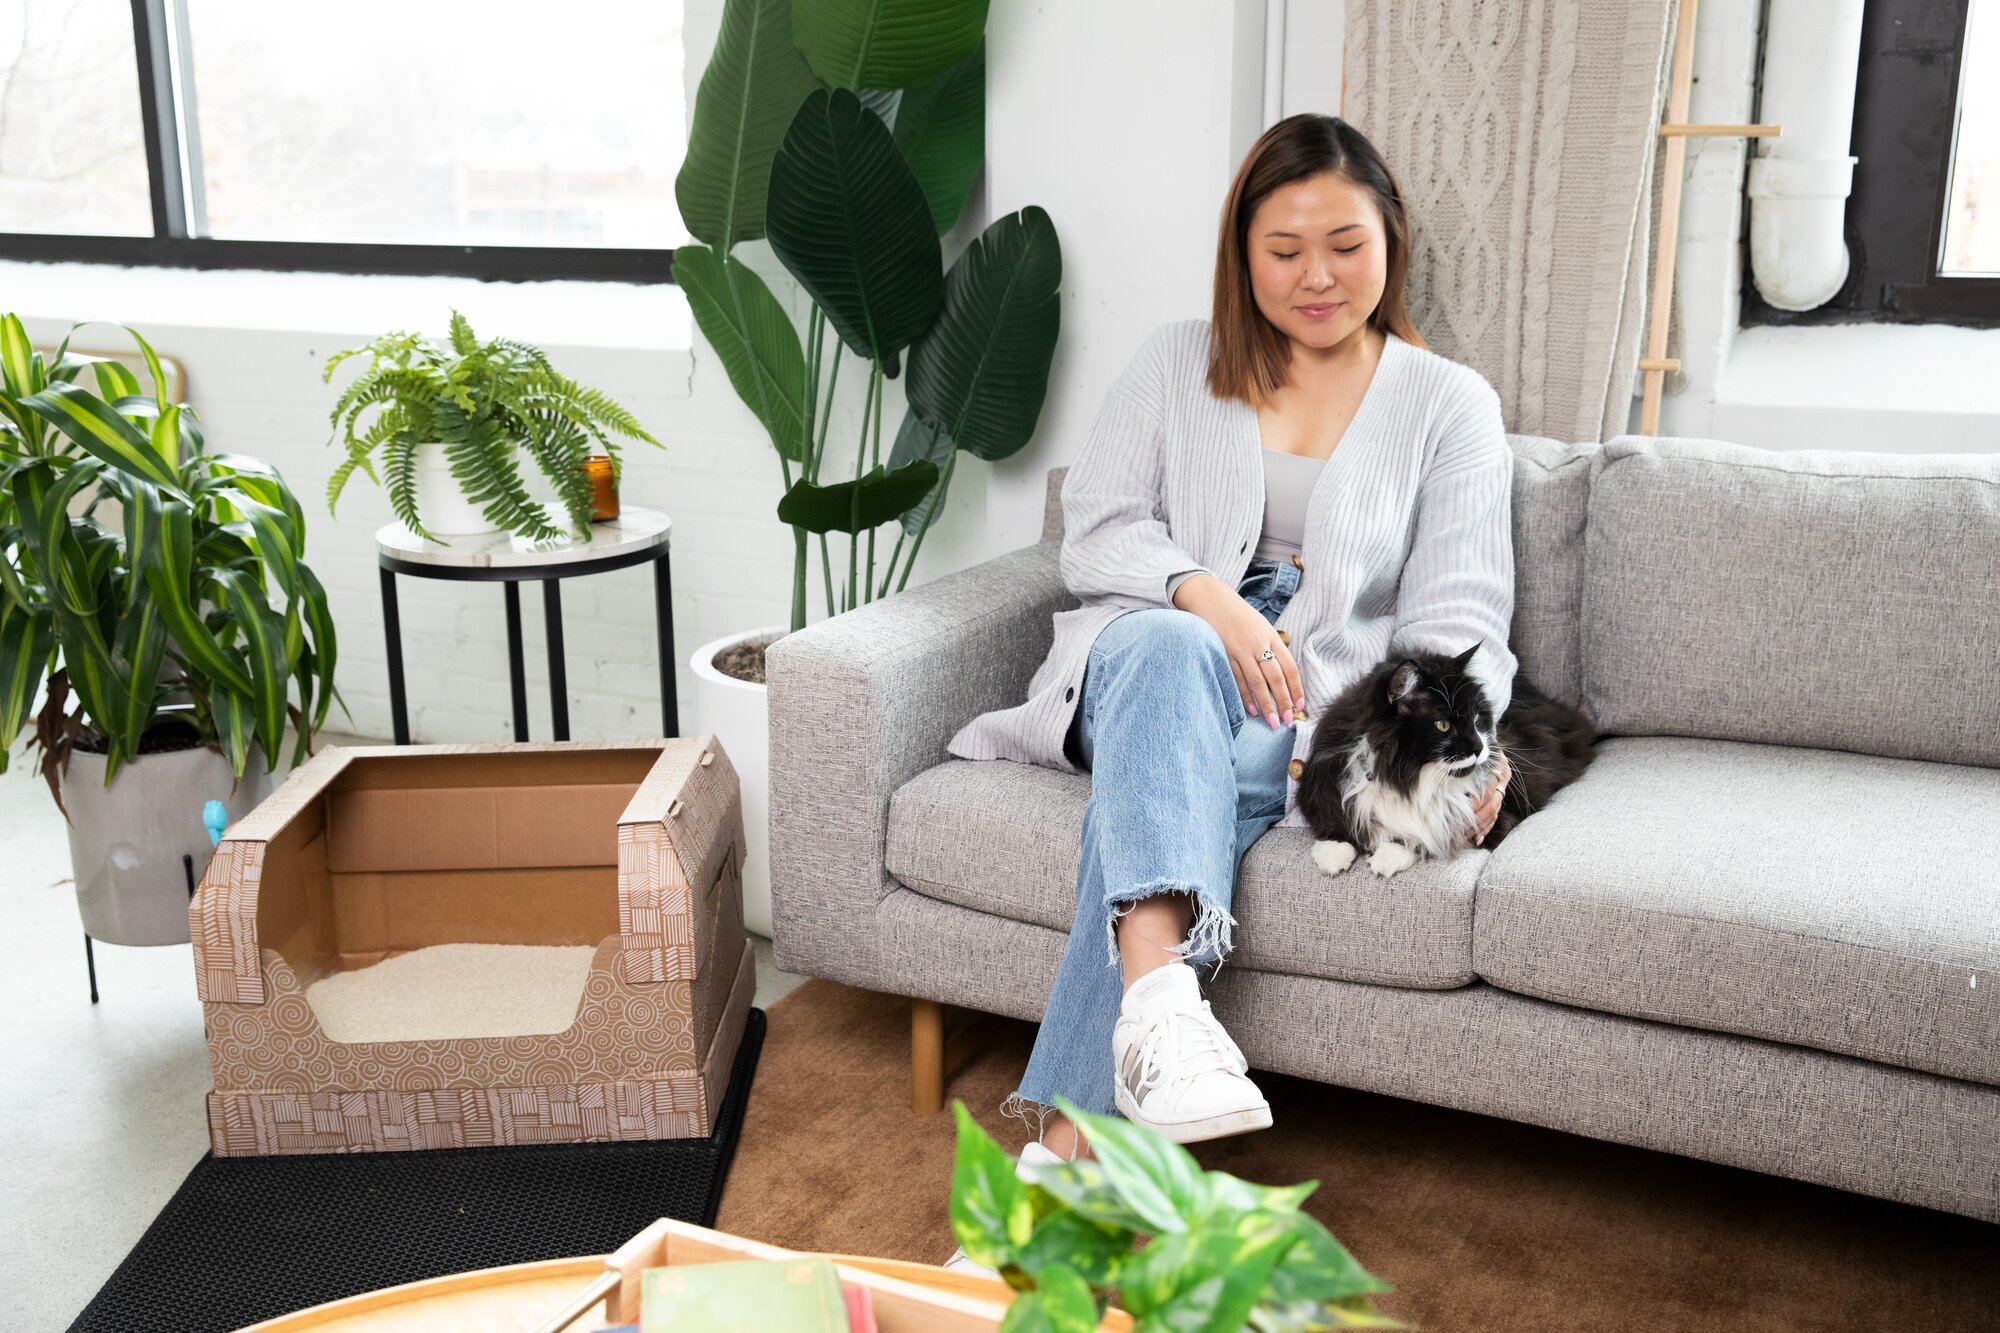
x,y
1523,137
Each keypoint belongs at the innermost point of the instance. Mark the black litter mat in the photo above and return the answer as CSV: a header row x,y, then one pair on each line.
x,y
249,1238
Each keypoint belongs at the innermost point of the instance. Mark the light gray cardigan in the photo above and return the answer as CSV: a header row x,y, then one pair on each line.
x,y
1408,540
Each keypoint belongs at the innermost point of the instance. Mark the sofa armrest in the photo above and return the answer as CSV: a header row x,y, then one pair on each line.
x,y
860,704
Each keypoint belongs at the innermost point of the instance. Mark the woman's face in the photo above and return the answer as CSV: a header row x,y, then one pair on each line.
x,y
1318,259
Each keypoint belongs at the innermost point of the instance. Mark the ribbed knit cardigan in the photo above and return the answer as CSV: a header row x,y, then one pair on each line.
x,y
1408,540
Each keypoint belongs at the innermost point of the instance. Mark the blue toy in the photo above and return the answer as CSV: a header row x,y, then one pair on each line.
x,y
214,818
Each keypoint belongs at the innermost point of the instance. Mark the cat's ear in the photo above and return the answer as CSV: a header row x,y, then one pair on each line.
x,y
1403,683
1459,663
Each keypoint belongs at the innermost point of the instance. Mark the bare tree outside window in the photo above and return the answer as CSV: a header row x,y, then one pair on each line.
x,y
421,122
72,146
1972,218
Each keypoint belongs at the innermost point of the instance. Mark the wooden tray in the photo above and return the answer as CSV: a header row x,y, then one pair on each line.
x,y
560,1294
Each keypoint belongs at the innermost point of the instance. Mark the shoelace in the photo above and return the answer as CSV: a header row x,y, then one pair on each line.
x,y
1185,1044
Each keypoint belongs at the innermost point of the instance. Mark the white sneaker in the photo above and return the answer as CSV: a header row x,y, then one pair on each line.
x,y
1033,1154
1174,1070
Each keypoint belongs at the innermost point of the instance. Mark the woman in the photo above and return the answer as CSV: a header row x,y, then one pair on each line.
x,y
1270,503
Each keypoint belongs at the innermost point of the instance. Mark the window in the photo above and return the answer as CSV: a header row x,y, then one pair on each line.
x,y
1923,222
375,136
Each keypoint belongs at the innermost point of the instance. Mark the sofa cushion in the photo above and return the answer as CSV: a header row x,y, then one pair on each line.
x,y
1844,902
1551,499
1004,838
1838,600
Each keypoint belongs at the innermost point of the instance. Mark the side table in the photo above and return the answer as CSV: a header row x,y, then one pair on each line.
x,y
634,537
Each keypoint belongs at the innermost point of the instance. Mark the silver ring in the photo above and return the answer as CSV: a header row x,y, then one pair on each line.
x,y
1268,656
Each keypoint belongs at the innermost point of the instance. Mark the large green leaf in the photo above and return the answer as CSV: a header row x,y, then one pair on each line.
x,y
170,577
137,651
941,128
1096,1251
918,439
850,222
90,421
264,636
115,382
981,373
886,43
17,358
753,337
1157,1177
326,652
856,506
990,1215
1060,1303
753,85
1205,1281
26,640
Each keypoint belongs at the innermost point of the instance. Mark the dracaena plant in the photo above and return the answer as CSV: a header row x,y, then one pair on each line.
x,y
847,133
482,402
144,577
1180,1249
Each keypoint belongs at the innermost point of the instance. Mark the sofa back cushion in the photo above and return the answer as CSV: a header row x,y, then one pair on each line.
x,y
1849,601
1551,494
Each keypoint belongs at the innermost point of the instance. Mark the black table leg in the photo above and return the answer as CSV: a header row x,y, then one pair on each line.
x,y
663,615
517,670
392,629
90,961
558,677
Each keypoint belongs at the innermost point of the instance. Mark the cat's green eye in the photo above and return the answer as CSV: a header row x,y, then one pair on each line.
x,y
1443,725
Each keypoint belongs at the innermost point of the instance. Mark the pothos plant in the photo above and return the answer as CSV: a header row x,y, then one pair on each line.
x,y
1180,1249
481,402
847,133
152,580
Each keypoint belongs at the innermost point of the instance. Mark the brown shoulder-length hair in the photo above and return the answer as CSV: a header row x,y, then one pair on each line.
x,y
1249,355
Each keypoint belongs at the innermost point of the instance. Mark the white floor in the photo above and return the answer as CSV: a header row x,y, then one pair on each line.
x,y
101,1105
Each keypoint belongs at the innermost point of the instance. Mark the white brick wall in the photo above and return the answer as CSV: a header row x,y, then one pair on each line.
x,y
253,345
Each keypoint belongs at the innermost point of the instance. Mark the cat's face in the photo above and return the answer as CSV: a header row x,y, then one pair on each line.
x,y
1438,714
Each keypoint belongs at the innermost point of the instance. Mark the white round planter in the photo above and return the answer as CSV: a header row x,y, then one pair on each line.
x,y
126,840
441,502
738,714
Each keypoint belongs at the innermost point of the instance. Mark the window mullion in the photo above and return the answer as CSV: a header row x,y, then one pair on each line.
x,y
159,114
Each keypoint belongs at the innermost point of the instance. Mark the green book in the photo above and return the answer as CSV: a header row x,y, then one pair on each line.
x,y
746,1296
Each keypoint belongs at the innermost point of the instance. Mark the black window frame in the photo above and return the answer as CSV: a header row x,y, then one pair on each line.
x,y
1905,121
171,246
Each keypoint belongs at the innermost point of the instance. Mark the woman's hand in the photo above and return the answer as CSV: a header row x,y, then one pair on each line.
x,y
1268,687
1488,808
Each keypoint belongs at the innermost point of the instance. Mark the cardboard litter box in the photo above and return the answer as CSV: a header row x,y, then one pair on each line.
x,y
633,847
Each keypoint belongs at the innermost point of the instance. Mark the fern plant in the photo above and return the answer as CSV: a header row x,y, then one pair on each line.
x,y
482,402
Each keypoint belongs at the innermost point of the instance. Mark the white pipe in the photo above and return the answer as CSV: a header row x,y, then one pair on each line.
x,y
1800,181
1274,62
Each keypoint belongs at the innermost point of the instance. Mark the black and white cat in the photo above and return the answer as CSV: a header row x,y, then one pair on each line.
x,y
1401,757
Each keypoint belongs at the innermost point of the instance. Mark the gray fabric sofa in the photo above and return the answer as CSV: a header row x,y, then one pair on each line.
x,y
1763,929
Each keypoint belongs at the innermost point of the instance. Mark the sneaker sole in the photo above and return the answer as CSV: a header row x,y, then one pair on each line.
x,y
1221,1126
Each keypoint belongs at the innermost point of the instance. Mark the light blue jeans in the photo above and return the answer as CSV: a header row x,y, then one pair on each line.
x,y
1180,785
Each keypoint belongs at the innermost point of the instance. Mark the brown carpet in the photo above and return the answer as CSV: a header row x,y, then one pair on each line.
x,y
1481,1224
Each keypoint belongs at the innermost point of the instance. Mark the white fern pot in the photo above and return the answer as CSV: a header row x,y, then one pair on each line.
x,y
126,841
441,501
738,713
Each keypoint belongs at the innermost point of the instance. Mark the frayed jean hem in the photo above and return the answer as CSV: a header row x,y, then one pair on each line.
x,y
1209,935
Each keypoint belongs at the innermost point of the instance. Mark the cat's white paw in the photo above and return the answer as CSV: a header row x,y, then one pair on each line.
x,y
1333,857
1391,857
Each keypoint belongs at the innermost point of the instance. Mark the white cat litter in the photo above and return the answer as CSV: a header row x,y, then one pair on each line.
x,y
455,991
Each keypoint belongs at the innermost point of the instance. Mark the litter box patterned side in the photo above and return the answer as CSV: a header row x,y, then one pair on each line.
x,y
245,1124
647,1055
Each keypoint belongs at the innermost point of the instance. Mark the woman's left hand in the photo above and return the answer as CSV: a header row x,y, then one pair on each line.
x,y
1488,808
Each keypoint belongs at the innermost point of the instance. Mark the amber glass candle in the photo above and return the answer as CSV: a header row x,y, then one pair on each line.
x,y
603,489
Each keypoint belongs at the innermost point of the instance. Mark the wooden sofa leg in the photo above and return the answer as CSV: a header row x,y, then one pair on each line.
x,y
926,1057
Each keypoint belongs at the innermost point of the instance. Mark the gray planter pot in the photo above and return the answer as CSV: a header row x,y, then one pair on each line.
x,y
126,840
